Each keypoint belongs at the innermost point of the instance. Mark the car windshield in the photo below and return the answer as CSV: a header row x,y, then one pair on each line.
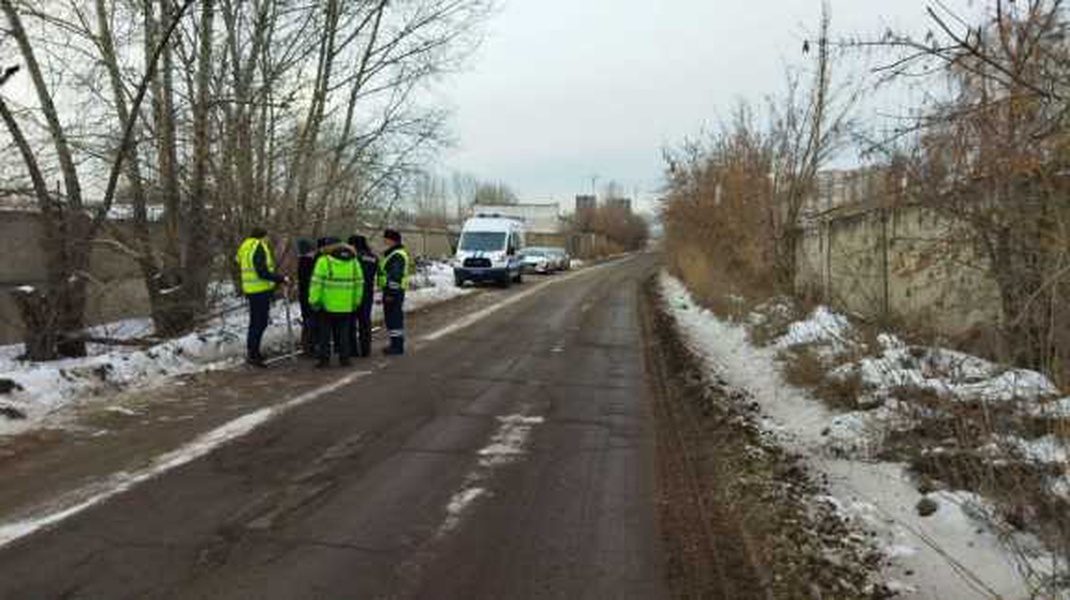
x,y
530,252
482,241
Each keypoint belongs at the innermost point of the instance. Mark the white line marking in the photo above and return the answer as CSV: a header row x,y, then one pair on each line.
x,y
98,493
456,508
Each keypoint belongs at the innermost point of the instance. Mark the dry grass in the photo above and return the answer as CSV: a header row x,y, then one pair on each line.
x,y
959,445
805,368
713,283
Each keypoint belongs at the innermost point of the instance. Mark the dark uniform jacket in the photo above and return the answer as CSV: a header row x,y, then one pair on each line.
x,y
305,264
260,263
369,262
395,271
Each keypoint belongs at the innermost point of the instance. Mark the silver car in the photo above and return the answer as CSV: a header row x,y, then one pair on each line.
x,y
560,258
537,260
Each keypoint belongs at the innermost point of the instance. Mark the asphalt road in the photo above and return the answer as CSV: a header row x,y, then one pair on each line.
x,y
510,458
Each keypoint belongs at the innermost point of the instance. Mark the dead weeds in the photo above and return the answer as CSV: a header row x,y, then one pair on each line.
x,y
806,368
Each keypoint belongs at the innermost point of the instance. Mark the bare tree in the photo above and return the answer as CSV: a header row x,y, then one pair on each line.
x,y
261,111
991,158
55,315
741,194
463,186
494,194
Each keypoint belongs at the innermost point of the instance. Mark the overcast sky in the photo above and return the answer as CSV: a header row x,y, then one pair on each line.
x,y
563,90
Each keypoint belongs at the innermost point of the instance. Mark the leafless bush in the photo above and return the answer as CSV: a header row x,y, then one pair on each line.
x,y
738,197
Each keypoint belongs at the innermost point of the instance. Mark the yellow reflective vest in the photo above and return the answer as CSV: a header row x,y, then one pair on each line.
x,y
251,283
383,275
337,285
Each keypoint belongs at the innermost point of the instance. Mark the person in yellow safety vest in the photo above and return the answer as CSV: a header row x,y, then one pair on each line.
x,y
335,292
259,278
393,280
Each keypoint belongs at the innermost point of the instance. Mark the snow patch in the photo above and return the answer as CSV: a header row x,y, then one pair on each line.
x,y
51,388
505,446
1046,450
122,410
433,283
459,503
822,327
946,374
1056,409
510,440
949,554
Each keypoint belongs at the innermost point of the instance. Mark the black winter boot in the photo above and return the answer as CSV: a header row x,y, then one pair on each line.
x,y
396,347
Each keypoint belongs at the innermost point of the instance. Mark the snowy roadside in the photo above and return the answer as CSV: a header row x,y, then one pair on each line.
x,y
962,550
45,391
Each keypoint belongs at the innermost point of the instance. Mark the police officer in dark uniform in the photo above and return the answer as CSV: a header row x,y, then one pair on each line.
x,y
393,280
361,328
259,278
306,261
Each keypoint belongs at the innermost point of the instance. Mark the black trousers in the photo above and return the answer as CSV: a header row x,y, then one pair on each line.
x,y
309,339
259,315
334,327
352,331
394,315
363,330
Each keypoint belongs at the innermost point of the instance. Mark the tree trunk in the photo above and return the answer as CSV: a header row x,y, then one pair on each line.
x,y
38,317
198,255
66,243
70,288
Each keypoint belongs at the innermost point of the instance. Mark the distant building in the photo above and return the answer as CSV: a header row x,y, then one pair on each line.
x,y
620,203
586,203
538,218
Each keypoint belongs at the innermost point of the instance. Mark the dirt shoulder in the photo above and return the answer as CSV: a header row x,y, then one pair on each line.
x,y
741,518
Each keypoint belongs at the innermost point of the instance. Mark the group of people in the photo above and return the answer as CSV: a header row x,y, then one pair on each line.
x,y
336,283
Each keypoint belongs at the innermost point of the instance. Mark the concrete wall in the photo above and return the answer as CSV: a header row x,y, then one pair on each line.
x,y
116,290
427,243
905,262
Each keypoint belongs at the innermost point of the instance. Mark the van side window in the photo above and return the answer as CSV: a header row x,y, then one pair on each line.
x,y
511,248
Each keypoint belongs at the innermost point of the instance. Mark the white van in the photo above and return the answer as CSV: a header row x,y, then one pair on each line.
x,y
489,250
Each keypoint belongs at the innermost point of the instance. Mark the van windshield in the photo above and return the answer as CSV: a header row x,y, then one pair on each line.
x,y
482,241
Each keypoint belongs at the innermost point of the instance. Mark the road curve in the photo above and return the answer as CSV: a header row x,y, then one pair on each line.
x,y
512,458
